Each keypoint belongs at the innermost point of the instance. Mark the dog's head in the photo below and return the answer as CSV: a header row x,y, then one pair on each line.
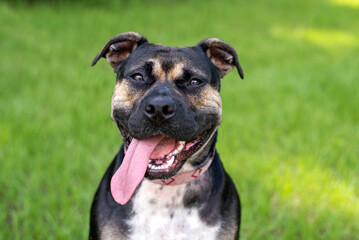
x,y
166,101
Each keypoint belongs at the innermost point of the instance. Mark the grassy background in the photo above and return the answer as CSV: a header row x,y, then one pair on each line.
x,y
290,132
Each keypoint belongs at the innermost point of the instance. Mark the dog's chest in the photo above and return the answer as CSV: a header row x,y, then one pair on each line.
x,y
159,214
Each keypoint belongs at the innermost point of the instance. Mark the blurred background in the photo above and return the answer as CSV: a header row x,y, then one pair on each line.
x,y
290,132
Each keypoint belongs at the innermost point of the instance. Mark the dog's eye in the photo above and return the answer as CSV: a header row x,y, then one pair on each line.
x,y
195,81
137,77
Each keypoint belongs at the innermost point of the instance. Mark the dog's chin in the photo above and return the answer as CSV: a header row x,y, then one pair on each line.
x,y
167,165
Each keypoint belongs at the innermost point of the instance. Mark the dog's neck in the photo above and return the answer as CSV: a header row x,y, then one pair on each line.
x,y
186,177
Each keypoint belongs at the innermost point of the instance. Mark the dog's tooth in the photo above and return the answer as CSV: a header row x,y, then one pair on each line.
x,y
180,147
170,162
175,152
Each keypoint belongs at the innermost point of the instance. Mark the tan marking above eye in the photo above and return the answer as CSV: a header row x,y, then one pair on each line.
x,y
157,70
176,71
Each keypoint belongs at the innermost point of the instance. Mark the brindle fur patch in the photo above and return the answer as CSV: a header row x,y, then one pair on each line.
x,y
208,100
123,97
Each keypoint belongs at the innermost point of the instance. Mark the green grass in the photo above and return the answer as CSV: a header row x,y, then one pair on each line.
x,y
290,131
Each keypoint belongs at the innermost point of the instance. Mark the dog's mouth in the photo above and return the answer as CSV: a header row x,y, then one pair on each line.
x,y
169,155
156,157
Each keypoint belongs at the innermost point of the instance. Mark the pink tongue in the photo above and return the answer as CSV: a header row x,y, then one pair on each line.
x,y
164,147
133,168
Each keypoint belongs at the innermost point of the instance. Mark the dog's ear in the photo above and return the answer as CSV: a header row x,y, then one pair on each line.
x,y
120,47
222,55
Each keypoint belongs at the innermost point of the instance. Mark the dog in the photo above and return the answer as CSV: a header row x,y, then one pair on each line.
x,y
167,180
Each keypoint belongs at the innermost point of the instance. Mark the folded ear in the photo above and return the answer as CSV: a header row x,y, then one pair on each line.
x,y
119,47
222,55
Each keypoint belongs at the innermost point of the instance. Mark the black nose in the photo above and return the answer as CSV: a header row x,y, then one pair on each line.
x,y
160,109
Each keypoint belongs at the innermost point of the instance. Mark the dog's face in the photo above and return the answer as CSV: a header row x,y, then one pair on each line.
x,y
172,92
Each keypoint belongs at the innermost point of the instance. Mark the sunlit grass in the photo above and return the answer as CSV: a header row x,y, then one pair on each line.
x,y
333,40
349,3
305,185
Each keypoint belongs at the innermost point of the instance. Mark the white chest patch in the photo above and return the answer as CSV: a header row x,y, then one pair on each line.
x,y
160,215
